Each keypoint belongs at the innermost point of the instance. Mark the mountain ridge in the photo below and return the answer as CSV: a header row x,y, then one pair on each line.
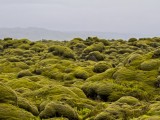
x,y
34,33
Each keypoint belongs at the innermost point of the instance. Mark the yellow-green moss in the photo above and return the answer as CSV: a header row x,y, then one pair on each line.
x,y
10,112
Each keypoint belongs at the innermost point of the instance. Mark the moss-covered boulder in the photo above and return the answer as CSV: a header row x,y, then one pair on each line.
x,y
10,112
62,51
99,91
81,74
57,110
156,53
23,83
104,116
101,67
129,100
25,104
24,73
95,56
50,93
133,59
150,65
154,109
7,95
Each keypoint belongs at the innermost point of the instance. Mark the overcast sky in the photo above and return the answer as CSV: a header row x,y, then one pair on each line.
x,y
122,16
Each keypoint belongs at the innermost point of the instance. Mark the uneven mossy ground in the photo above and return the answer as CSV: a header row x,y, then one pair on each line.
x,y
92,79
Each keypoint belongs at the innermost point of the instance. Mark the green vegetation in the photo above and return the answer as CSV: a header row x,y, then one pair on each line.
x,y
92,79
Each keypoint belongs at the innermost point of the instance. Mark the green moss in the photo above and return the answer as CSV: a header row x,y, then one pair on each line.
x,y
154,109
94,47
24,73
129,100
58,109
150,65
78,91
26,83
127,74
101,67
13,59
156,53
25,104
81,74
99,91
132,40
146,117
95,56
104,116
62,51
22,65
133,59
50,93
7,95
10,112
102,76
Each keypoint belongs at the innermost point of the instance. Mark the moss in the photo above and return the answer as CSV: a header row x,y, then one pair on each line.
x,y
62,51
101,67
95,56
78,91
13,59
50,93
126,74
58,109
10,112
26,83
132,40
102,76
7,95
154,109
146,117
24,73
150,65
81,74
156,53
1,47
104,116
22,65
129,100
99,91
25,104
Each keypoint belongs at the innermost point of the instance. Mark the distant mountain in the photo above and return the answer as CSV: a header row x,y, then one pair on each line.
x,y
41,33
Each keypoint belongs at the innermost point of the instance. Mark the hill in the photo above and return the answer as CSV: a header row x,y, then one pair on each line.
x,y
41,33
80,79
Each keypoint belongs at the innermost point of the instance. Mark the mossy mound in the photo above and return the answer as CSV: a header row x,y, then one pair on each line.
x,y
101,67
146,117
134,59
108,74
99,91
150,65
57,110
95,56
154,109
121,111
81,74
129,100
10,112
78,91
50,93
24,73
62,51
23,83
7,95
25,104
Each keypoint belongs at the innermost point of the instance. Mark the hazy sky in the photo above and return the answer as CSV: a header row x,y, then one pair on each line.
x,y
123,16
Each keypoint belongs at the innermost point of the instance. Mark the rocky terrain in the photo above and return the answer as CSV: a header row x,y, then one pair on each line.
x,y
91,79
